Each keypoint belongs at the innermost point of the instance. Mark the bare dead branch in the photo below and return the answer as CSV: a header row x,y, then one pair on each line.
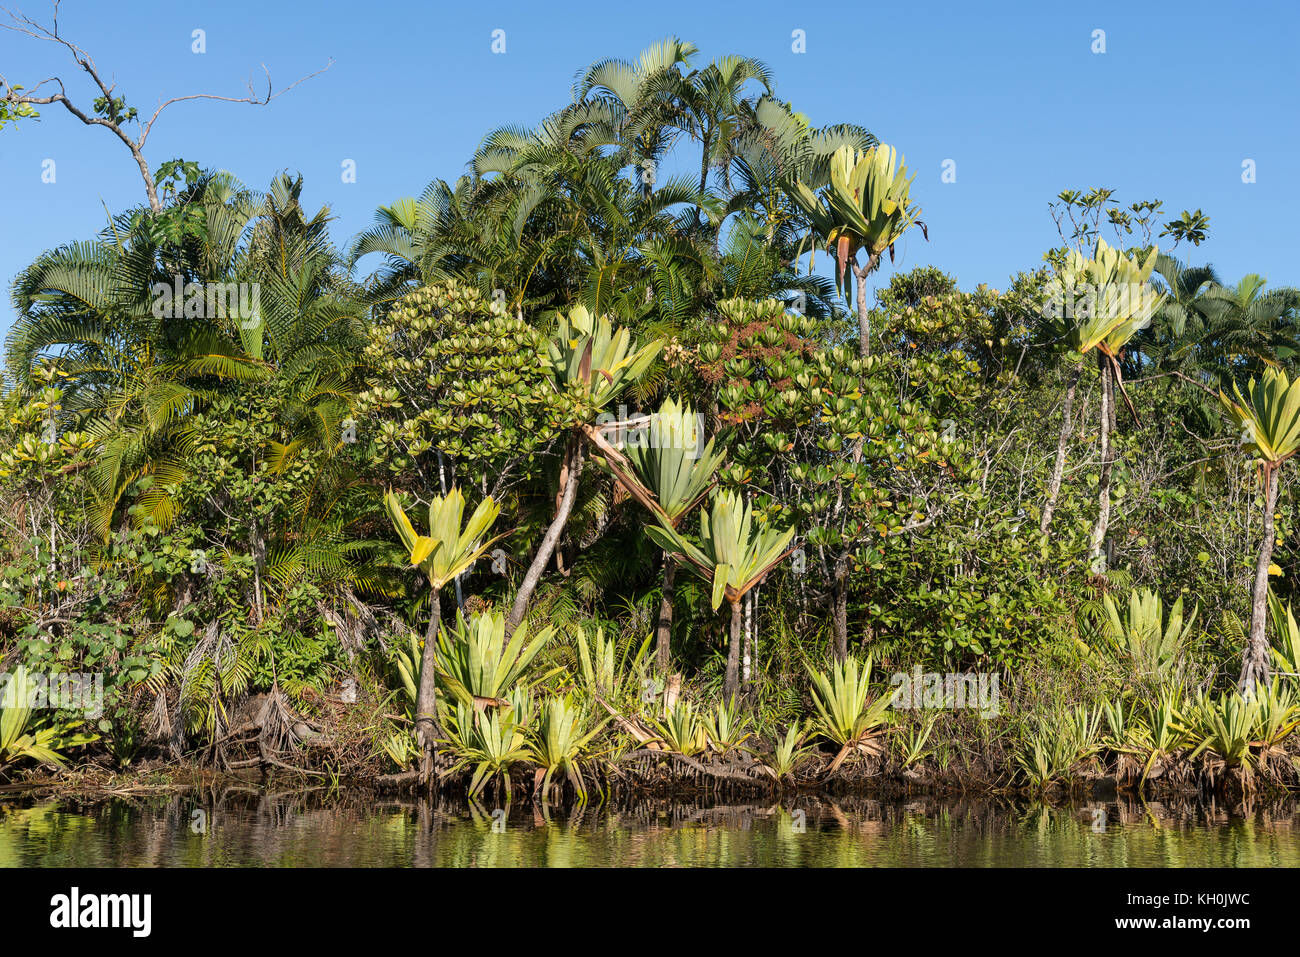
x,y
23,24
253,99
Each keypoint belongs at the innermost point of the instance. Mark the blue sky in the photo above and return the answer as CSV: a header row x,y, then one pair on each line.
x,y
1013,94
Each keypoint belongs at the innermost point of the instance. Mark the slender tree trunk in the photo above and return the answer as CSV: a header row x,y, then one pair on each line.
x,y
573,467
704,171
860,303
1114,400
664,628
731,685
840,612
864,324
424,700
1103,489
258,545
1255,661
150,190
747,658
1058,469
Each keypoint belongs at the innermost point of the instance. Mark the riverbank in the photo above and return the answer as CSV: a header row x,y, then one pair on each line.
x,y
579,721
668,775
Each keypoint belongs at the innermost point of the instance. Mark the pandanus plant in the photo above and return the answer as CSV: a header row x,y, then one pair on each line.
x,y
866,207
20,737
477,665
604,670
492,741
786,755
683,729
591,362
1154,644
559,742
1226,725
1286,653
846,713
1268,417
664,467
726,728
1120,303
450,548
736,551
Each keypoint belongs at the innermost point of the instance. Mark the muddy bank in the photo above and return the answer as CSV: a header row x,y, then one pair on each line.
x,y
673,777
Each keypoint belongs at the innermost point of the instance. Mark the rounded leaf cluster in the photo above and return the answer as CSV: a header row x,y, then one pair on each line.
x,y
454,373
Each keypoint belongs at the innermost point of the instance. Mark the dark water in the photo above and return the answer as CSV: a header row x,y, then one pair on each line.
x,y
321,828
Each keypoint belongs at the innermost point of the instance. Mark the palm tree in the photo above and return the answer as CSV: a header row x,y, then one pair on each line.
x,y
1246,327
778,146
1185,285
562,224
132,372
1269,420
721,111
140,378
445,553
648,103
1215,331
1172,344
867,207
422,240
567,211
735,553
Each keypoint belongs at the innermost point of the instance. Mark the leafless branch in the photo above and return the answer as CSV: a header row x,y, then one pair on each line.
x,y
23,24
253,98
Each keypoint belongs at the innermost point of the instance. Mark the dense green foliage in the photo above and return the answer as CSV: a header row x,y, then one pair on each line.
x,y
193,494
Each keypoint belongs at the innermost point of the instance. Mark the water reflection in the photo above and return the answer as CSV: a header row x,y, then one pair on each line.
x,y
320,828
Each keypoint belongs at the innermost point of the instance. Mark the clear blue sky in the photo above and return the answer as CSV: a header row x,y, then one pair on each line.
x,y
1184,93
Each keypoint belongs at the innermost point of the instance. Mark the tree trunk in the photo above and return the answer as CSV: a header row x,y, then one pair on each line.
x,y
664,629
149,188
1058,469
1255,661
569,494
864,324
840,612
258,548
860,303
424,699
704,171
732,683
1103,485
1114,398
747,658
